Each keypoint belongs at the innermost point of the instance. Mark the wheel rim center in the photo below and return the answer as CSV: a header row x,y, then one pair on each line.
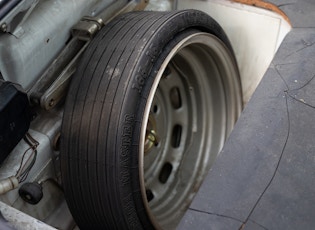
x,y
151,137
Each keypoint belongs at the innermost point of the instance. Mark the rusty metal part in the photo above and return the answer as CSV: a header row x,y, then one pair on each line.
x,y
265,5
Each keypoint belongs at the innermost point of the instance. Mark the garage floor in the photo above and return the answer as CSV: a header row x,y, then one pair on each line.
x,y
265,176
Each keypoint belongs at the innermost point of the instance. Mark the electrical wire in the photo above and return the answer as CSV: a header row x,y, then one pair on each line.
x,y
27,163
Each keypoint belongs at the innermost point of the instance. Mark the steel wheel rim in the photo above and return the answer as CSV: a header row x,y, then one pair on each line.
x,y
189,116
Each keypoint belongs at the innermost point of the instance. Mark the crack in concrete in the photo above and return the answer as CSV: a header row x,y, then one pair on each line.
x,y
306,45
300,101
215,214
300,88
286,4
287,95
281,155
289,91
259,224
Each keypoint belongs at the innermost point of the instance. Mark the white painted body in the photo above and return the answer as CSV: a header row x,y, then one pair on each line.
x,y
255,34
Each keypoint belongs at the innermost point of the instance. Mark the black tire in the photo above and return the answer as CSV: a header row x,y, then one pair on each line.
x,y
106,116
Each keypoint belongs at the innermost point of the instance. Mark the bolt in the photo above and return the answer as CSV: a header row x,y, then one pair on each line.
x,y
4,27
152,137
51,103
152,140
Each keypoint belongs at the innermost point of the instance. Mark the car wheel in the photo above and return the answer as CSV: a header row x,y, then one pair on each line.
x,y
148,110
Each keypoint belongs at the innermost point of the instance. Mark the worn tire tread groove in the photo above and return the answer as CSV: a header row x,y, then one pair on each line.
x,y
98,102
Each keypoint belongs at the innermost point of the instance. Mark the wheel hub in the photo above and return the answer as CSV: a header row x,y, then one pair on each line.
x,y
151,139
187,108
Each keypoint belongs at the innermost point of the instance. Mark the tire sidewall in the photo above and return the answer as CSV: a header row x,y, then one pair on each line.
x,y
139,86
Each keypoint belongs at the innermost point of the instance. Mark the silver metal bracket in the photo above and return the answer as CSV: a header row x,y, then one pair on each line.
x,y
52,86
87,28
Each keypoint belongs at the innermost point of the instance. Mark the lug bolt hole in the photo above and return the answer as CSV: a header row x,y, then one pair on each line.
x,y
150,195
165,173
175,97
155,109
176,136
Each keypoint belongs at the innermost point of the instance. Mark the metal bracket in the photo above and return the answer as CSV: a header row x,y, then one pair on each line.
x,y
14,18
57,90
52,86
87,28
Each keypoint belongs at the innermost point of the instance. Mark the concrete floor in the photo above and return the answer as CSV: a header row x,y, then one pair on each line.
x,y
264,177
